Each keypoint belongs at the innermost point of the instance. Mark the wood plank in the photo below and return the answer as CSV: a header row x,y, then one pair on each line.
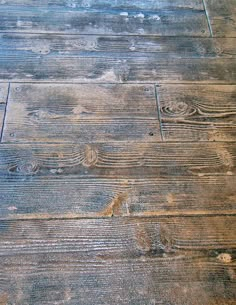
x,y
222,16
105,18
33,197
198,113
65,113
96,4
28,47
3,99
71,68
41,181
118,159
118,262
117,238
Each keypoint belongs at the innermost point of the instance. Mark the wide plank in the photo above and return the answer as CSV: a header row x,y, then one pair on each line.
x,y
110,69
222,16
198,112
32,47
163,19
117,159
65,113
3,100
120,261
69,196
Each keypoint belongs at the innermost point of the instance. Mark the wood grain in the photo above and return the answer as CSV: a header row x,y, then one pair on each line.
x,y
32,47
198,113
126,261
117,159
222,17
40,197
81,113
98,18
112,69
3,100
104,180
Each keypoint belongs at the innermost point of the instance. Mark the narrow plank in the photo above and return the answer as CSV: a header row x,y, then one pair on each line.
x,y
32,47
33,197
198,113
118,159
96,4
222,17
71,68
3,99
166,20
81,113
117,262
117,238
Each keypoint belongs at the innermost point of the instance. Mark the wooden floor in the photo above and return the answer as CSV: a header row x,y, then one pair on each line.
x,y
118,152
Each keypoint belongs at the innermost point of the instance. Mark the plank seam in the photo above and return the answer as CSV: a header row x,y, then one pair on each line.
x,y
5,113
208,18
159,111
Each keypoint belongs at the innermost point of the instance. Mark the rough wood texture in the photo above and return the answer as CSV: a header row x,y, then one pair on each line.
x,y
81,113
32,47
167,18
110,69
94,261
117,159
198,113
27,197
3,99
222,16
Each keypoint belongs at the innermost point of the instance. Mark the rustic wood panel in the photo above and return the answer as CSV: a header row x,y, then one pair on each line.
x,y
30,197
98,18
118,159
101,4
3,99
31,47
120,261
65,113
198,113
222,17
71,68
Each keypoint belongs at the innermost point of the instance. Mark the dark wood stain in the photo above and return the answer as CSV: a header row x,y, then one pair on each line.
x,y
117,152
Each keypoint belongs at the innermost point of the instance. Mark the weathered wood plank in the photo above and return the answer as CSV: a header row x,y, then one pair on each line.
x,y
29,47
120,237
101,4
165,19
3,99
71,68
118,159
198,113
118,262
222,16
32,197
65,113
39,181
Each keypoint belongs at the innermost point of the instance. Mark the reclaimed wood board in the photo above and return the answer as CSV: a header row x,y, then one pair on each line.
x,y
75,113
118,159
71,68
31,47
222,16
94,261
165,19
3,100
198,112
70,196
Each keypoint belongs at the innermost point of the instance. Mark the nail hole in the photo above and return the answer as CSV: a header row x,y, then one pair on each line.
x,y
203,31
151,134
12,134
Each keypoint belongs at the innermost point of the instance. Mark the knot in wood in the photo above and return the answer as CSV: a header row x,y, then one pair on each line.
x,y
178,109
28,167
90,156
